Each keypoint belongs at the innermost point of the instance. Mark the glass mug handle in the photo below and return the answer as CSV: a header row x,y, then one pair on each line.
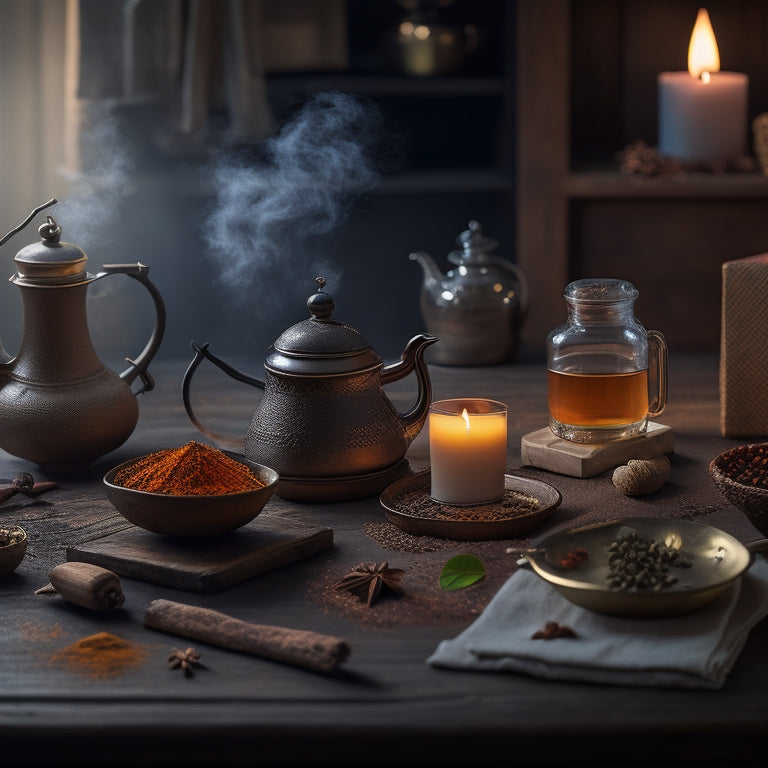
x,y
658,361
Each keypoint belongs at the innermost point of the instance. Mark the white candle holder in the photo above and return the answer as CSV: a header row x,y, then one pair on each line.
x,y
468,451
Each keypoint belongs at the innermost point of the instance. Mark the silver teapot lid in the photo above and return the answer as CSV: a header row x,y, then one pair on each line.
x,y
321,346
476,247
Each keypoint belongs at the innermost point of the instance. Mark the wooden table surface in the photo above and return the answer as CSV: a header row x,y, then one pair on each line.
x,y
388,706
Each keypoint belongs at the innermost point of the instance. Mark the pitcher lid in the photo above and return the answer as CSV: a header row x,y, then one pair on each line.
x,y
321,346
50,261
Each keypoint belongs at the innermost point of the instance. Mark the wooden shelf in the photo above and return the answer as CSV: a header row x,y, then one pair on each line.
x,y
587,86
439,181
372,85
446,181
613,184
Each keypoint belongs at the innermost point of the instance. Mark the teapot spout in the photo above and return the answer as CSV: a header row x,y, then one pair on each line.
x,y
412,359
433,277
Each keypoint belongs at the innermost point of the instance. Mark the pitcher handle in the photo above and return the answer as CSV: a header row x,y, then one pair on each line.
x,y
658,362
201,353
140,365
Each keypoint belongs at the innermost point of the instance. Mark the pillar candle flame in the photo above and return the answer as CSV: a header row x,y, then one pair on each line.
x,y
703,54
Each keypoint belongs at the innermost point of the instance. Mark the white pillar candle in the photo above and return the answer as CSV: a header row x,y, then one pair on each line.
x,y
468,451
703,112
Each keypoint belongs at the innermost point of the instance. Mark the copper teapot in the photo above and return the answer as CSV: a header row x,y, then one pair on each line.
x,y
60,407
324,423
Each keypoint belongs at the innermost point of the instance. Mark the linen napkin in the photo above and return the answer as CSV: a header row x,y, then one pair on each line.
x,y
695,650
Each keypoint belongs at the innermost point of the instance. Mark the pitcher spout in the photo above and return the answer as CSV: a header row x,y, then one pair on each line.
x,y
433,277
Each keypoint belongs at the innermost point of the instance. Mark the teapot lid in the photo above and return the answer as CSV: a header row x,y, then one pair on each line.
x,y
475,245
50,262
320,346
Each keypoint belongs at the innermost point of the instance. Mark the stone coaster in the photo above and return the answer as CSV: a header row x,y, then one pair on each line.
x,y
543,449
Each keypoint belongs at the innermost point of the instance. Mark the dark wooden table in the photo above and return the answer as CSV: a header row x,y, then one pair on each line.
x,y
387,707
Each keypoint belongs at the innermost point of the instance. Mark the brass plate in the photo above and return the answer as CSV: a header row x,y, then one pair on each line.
x,y
406,497
718,560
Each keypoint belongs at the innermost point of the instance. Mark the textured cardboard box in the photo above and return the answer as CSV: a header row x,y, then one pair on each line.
x,y
744,348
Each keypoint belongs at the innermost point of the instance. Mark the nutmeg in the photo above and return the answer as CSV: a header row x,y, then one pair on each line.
x,y
640,477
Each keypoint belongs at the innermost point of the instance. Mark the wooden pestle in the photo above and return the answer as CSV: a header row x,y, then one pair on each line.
x,y
302,648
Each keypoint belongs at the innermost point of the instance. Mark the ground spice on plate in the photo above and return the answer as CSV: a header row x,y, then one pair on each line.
x,y
419,504
100,655
193,469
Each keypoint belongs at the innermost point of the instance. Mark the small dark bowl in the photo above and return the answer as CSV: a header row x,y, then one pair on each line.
x,y
11,555
752,500
191,516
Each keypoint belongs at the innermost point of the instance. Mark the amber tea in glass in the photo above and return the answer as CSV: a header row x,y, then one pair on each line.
x,y
606,373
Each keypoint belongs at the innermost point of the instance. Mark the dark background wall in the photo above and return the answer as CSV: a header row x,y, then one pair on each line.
x,y
441,143
520,131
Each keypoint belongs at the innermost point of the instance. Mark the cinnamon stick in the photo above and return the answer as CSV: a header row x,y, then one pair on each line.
x,y
302,648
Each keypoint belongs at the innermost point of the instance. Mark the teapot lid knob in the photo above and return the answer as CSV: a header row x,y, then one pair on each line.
x,y
320,304
473,239
50,231
476,246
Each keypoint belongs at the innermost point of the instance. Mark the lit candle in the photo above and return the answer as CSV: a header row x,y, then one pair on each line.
x,y
468,450
703,112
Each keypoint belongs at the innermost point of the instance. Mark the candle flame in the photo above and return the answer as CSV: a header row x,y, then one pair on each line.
x,y
703,54
465,416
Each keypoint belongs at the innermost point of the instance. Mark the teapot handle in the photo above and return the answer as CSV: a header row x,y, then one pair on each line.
x,y
139,366
202,352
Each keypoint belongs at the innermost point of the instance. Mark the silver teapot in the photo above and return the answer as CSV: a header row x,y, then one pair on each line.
x,y
476,309
324,423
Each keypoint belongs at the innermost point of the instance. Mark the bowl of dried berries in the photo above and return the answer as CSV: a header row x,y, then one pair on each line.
x,y
741,475
191,491
13,547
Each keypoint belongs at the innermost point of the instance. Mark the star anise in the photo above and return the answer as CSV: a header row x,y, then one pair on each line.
x,y
367,579
184,659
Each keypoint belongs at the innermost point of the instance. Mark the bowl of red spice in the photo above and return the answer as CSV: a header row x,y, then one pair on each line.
x,y
741,475
194,490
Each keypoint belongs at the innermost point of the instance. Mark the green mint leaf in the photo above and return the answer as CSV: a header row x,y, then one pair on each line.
x,y
461,571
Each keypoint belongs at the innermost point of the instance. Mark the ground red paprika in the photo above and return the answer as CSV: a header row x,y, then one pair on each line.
x,y
193,469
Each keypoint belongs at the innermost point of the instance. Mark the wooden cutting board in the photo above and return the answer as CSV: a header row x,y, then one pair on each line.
x,y
204,565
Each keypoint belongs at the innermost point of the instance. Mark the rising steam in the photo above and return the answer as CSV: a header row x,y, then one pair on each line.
x,y
267,211
89,214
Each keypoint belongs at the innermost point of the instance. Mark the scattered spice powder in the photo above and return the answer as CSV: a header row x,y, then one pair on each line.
x,y
193,469
389,536
100,655
33,630
422,600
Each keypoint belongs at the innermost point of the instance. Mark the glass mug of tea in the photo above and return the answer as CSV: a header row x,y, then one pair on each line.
x,y
605,373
